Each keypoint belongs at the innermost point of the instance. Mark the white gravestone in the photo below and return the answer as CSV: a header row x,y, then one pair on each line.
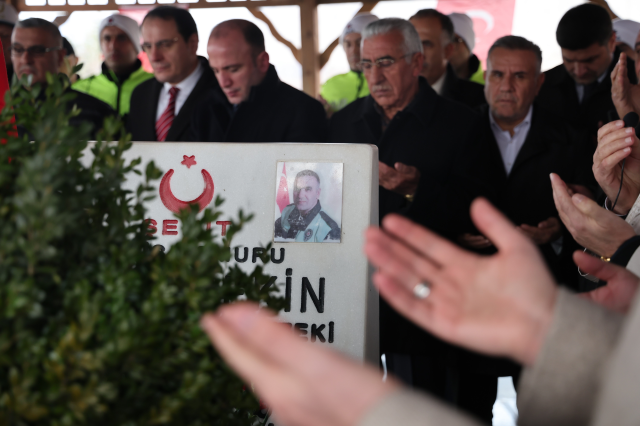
x,y
320,265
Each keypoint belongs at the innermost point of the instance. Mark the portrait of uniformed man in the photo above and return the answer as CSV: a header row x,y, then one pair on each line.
x,y
304,220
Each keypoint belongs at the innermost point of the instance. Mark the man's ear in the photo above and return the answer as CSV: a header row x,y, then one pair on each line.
x,y
448,51
417,62
60,58
193,43
262,62
611,45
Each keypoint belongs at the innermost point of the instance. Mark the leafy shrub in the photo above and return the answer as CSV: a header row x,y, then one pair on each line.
x,y
98,326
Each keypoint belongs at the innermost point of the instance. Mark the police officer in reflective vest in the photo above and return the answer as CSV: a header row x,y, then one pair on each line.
x,y
121,70
304,220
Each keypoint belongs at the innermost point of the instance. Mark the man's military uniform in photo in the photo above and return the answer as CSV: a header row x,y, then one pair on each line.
x,y
315,227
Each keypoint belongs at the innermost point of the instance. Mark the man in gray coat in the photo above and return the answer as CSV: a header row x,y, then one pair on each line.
x,y
581,358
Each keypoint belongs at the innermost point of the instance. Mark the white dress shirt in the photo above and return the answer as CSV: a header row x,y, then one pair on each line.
x,y
186,87
510,145
437,86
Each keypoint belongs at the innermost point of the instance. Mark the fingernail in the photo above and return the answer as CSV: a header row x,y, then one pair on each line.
x,y
578,198
628,130
628,140
551,177
242,320
626,150
619,123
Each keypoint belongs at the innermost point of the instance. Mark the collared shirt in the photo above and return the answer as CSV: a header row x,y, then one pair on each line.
x,y
186,86
510,145
580,87
437,86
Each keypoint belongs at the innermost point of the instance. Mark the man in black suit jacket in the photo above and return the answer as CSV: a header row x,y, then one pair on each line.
x,y
436,34
579,90
526,145
170,41
253,105
430,148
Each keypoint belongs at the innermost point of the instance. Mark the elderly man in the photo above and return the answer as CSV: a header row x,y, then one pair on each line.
x,y
466,65
341,90
36,50
162,107
121,70
436,34
527,145
430,148
254,105
304,220
579,90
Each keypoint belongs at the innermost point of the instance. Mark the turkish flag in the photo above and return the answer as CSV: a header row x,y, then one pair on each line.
x,y
4,87
283,198
492,19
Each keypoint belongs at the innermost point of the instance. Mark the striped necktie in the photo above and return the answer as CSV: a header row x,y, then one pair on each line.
x,y
166,119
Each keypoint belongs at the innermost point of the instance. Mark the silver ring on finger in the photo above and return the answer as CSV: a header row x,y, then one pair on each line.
x,y
422,290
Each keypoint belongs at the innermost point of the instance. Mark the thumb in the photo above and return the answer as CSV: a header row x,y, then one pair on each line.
x,y
495,226
586,205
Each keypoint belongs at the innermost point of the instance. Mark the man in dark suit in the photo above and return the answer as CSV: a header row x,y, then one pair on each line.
x,y
430,149
253,105
579,90
36,49
162,107
436,34
527,144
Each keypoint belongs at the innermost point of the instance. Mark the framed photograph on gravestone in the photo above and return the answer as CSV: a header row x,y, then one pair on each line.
x,y
308,202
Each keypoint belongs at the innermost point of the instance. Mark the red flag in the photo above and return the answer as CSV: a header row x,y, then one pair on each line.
x,y
282,199
4,86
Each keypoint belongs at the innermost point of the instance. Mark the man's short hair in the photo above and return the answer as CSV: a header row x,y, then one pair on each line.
x,y
45,25
512,42
308,173
250,31
411,40
583,26
183,19
445,22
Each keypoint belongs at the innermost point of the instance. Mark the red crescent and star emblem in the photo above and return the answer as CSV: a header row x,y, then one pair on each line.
x,y
174,204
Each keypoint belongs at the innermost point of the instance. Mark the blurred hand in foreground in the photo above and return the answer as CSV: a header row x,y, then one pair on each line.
x,y
304,384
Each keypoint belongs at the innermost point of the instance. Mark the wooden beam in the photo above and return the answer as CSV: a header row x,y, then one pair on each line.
x,y
201,4
309,47
255,11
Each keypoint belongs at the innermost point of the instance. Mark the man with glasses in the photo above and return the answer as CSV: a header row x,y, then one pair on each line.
x,y
121,70
429,147
36,50
161,107
436,34
253,105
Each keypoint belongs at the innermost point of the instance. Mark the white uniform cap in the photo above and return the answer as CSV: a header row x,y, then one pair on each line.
x,y
463,26
626,31
126,24
8,14
357,24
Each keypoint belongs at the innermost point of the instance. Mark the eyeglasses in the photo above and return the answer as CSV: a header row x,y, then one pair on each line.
x,y
162,45
384,62
37,50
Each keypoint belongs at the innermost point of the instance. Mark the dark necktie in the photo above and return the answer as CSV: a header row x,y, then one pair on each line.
x,y
589,90
166,119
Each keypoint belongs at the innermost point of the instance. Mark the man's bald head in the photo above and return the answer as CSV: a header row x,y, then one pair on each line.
x,y
237,57
248,30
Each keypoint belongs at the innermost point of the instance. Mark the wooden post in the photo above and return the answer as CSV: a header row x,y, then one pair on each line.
x,y
309,47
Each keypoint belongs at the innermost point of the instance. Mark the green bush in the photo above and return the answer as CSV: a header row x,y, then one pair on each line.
x,y
98,326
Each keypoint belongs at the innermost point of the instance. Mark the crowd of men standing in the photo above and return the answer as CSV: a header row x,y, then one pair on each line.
x,y
446,132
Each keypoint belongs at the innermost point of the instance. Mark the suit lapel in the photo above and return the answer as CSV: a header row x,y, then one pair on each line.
x,y
183,120
150,122
534,144
494,150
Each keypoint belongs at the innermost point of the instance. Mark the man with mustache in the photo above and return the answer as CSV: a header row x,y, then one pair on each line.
x,y
36,50
253,105
431,167
162,107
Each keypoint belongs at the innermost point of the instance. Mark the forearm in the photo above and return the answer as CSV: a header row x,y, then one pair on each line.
x,y
561,387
